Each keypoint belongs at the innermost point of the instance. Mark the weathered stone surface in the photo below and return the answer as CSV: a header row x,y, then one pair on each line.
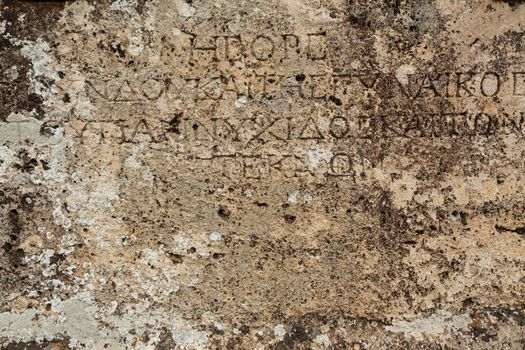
x,y
295,174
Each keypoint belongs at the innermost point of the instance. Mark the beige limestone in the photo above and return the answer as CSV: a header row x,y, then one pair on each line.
x,y
298,174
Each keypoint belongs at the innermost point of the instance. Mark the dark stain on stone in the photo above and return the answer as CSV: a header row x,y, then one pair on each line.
x,y
38,2
140,5
518,230
509,39
244,329
118,50
33,345
166,340
512,3
298,334
15,92
175,258
27,164
335,100
18,256
7,247
174,124
57,258
48,129
14,220
40,17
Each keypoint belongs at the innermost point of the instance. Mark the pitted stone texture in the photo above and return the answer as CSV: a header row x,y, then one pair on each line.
x,y
291,174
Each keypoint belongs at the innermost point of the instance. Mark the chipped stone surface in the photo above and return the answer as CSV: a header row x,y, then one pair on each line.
x,y
297,174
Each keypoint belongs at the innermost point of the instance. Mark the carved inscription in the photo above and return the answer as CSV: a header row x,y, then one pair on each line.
x,y
288,165
327,87
247,131
262,47
169,110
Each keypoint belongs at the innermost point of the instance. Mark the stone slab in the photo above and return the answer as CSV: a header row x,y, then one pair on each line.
x,y
243,174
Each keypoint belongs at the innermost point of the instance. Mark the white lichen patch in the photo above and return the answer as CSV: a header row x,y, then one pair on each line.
x,y
7,155
279,331
124,5
185,9
317,155
186,336
42,65
215,236
442,324
60,218
2,26
323,339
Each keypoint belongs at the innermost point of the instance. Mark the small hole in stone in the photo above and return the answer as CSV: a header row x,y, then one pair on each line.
x,y
300,77
224,213
290,219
